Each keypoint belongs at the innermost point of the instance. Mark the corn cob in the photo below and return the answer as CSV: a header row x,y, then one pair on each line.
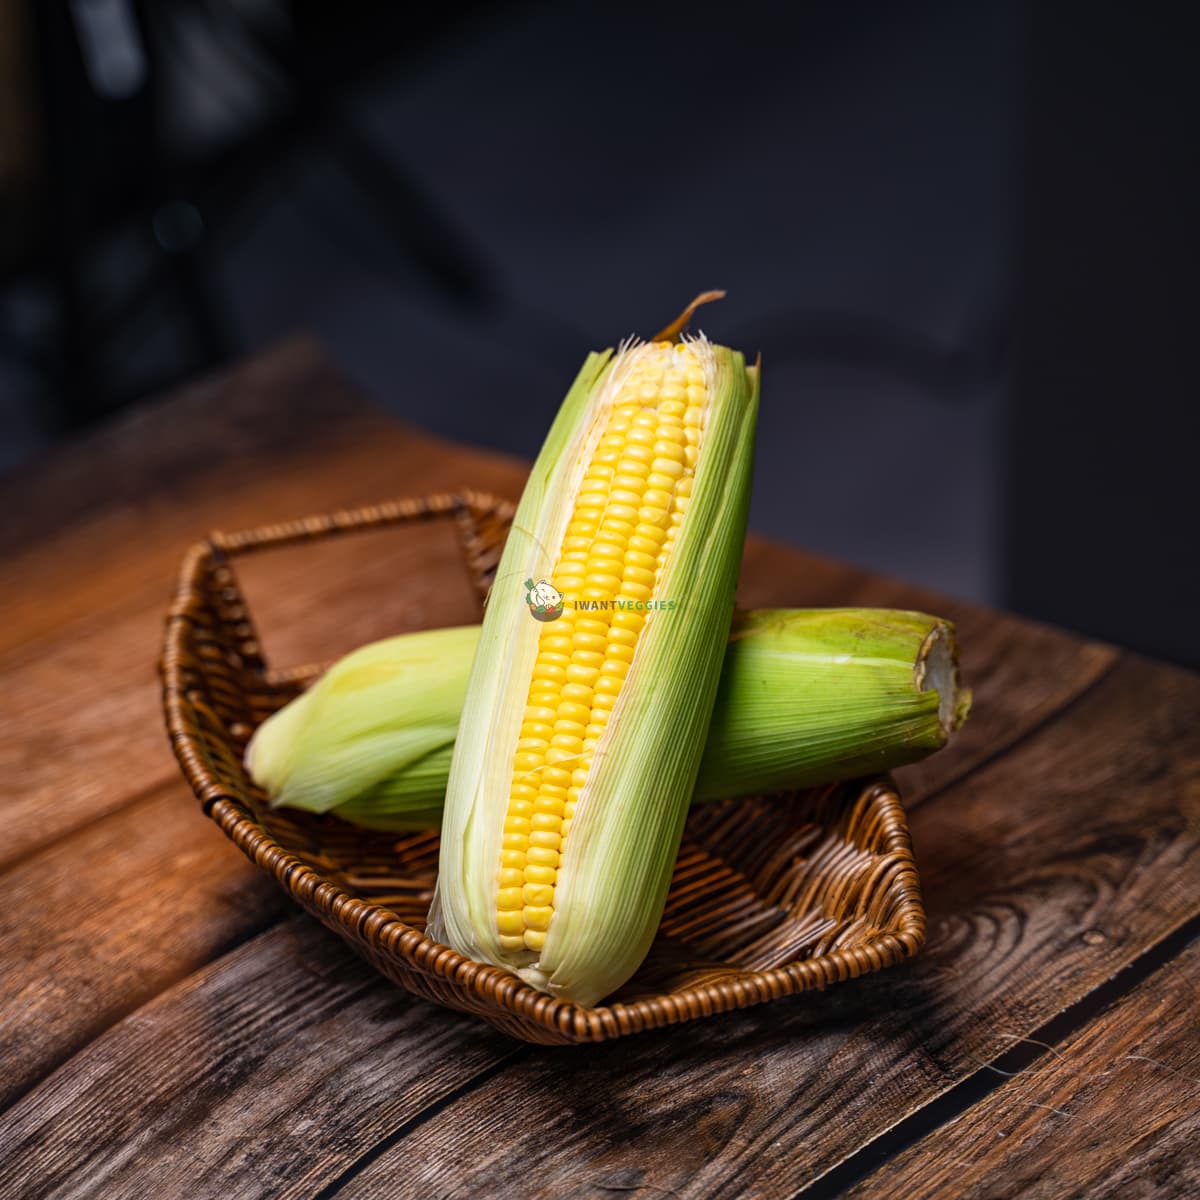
x,y
806,696
582,730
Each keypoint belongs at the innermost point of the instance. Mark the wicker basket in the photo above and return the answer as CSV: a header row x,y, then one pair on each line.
x,y
769,897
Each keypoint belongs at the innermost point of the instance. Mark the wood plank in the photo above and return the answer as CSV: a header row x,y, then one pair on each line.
x,y
100,923
103,525
106,517
266,1074
153,872
1044,874
222,422
1114,1111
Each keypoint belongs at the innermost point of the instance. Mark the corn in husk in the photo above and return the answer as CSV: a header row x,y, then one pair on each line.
x,y
806,696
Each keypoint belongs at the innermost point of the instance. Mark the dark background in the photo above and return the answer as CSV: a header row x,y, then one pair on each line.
x,y
960,233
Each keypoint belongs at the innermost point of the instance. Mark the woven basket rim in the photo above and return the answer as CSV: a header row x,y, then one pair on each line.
x,y
367,922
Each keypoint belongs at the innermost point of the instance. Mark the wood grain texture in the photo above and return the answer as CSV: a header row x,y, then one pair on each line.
x,y
221,423
1044,873
264,1075
1112,1113
100,923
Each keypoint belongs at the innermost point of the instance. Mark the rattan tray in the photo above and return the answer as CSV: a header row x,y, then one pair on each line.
x,y
770,896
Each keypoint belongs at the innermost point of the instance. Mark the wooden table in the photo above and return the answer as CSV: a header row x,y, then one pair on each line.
x,y
170,1026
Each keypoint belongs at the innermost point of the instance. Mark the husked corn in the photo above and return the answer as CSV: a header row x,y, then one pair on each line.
x,y
582,729
626,517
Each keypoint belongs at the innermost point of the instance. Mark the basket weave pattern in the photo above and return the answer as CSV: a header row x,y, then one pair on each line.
x,y
770,897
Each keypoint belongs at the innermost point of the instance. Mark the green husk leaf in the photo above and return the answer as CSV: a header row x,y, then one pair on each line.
x,y
365,722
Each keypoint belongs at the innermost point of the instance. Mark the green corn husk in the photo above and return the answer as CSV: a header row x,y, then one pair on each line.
x,y
806,696
372,739
616,865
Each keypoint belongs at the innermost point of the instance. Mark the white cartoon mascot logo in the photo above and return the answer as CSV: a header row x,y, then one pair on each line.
x,y
544,599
